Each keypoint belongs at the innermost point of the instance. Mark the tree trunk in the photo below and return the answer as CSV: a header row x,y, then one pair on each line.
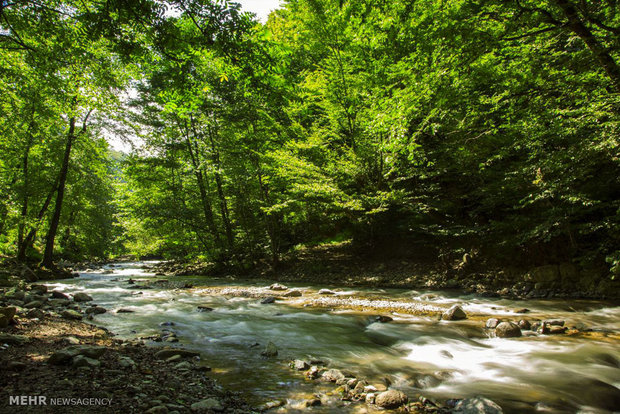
x,y
605,60
21,255
48,255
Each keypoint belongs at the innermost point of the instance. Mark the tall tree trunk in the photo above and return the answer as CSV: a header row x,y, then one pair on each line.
x,y
26,189
48,255
605,60
21,254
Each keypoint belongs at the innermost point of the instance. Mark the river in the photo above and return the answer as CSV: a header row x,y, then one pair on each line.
x,y
416,353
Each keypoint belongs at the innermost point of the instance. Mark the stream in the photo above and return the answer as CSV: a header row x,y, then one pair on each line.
x,y
418,354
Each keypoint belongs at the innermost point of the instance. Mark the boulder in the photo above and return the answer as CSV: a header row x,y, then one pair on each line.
x,y
82,297
383,319
300,365
84,361
277,286
270,350
332,375
35,313
11,339
525,325
313,372
507,330
391,399
59,295
71,315
8,312
204,308
33,304
167,353
126,362
28,275
206,405
123,310
492,323
39,288
556,330
314,402
4,321
292,294
97,310
158,409
267,300
477,405
326,292
455,313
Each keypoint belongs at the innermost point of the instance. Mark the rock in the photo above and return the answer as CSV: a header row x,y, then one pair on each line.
x,y
277,286
8,312
292,294
33,304
391,399
84,361
359,387
525,325
126,362
174,358
507,330
492,323
71,340
97,310
158,409
82,297
59,295
28,275
314,402
370,398
326,292
383,319
71,315
209,404
332,375
35,313
523,310
4,321
300,365
555,322
166,324
477,405
11,339
123,310
15,366
556,330
267,300
313,372
167,353
204,308
183,365
271,405
63,356
270,350
455,313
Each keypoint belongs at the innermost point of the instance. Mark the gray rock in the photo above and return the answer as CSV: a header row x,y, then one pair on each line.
x,y
122,310
158,409
555,322
313,372
63,356
270,350
84,361
492,323
71,314
8,312
332,375
292,294
4,321
204,308
35,313
97,310
383,319
183,365
82,297
326,292
455,313
277,286
314,402
33,304
508,330
300,365
271,405
391,399
267,300
13,339
477,405
126,362
209,404
39,288
525,325
183,353
59,295
15,366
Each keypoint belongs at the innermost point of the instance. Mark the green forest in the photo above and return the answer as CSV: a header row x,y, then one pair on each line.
x,y
484,128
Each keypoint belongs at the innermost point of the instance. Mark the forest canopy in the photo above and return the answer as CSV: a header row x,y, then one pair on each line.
x,y
486,126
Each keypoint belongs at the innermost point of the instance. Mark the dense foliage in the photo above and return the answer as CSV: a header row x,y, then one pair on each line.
x,y
486,126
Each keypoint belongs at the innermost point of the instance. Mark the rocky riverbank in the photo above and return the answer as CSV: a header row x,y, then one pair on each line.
x,y
46,350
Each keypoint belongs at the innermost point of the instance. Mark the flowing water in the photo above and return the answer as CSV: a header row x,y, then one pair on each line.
x,y
419,355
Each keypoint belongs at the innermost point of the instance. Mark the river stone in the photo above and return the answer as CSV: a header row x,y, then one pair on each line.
x,y
525,325
158,409
477,405
82,297
455,313
84,361
313,372
267,300
271,405
122,310
300,365
508,330
326,292
4,321
97,310
15,366
383,319
292,294
184,365
167,353
126,362
314,402
35,313
277,286
333,375
204,308
39,288
9,312
270,350
555,322
556,330
33,304
391,399
492,323
209,404
59,295
71,314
